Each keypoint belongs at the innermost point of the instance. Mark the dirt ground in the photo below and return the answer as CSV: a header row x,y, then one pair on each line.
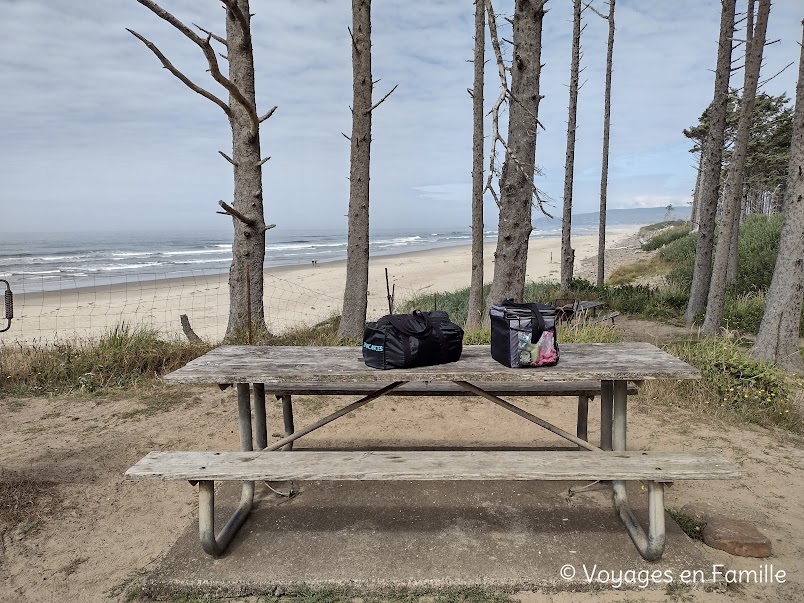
x,y
93,535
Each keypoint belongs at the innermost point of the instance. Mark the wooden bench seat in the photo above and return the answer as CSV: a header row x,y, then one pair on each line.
x,y
433,466
657,468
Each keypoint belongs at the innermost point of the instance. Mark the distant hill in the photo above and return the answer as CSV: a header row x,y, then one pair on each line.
x,y
615,217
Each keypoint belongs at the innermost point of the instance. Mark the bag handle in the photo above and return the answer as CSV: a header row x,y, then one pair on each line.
x,y
403,327
538,319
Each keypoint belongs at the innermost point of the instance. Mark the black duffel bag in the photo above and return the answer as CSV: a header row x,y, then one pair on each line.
x,y
524,335
408,340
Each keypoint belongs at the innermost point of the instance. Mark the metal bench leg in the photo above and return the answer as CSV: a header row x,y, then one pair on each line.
x,y
211,544
650,545
583,417
216,545
260,420
287,414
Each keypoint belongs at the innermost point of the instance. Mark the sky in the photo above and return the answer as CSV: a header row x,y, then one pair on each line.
x,y
96,135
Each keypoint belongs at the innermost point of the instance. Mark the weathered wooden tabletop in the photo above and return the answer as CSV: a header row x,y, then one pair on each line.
x,y
284,364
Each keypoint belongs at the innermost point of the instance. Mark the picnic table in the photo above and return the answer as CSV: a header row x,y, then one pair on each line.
x,y
609,368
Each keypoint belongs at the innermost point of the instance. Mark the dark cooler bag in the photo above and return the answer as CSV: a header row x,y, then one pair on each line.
x,y
408,340
524,335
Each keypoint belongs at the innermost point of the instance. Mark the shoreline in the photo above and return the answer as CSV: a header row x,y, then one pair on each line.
x,y
294,295
618,234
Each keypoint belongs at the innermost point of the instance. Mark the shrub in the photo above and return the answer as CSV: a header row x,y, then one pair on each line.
x,y
734,384
681,255
122,357
665,236
757,250
646,231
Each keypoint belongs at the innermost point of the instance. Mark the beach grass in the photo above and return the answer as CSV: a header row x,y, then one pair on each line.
x,y
125,356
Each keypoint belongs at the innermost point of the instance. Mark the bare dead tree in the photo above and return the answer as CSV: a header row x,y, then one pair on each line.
x,y
248,247
731,270
567,252
474,317
604,172
353,318
777,339
711,165
517,189
733,187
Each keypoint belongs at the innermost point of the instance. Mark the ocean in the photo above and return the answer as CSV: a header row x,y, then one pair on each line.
x,y
33,262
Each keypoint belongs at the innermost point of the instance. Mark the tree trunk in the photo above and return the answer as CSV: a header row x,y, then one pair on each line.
x,y
474,317
248,246
731,271
696,197
516,182
604,174
777,340
567,256
711,165
353,318
733,188
246,311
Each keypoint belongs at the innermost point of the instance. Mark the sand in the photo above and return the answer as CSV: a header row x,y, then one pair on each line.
x,y
93,536
294,295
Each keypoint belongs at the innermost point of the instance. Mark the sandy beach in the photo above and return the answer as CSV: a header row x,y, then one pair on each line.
x,y
294,295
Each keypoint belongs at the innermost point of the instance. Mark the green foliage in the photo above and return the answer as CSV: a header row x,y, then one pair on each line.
x,y
757,249
689,525
323,334
680,254
735,384
758,246
125,356
744,312
646,231
768,150
665,236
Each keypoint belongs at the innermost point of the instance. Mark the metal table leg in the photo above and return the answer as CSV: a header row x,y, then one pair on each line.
x,y
260,420
216,545
287,415
650,545
583,417
606,411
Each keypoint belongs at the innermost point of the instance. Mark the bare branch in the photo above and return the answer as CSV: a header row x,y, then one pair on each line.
x,y
267,115
212,35
263,161
265,227
236,214
169,66
209,53
346,137
382,100
495,110
225,57
354,44
763,82
594,10
227,158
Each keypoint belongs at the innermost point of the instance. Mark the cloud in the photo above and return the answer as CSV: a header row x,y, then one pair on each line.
x,y
97,134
